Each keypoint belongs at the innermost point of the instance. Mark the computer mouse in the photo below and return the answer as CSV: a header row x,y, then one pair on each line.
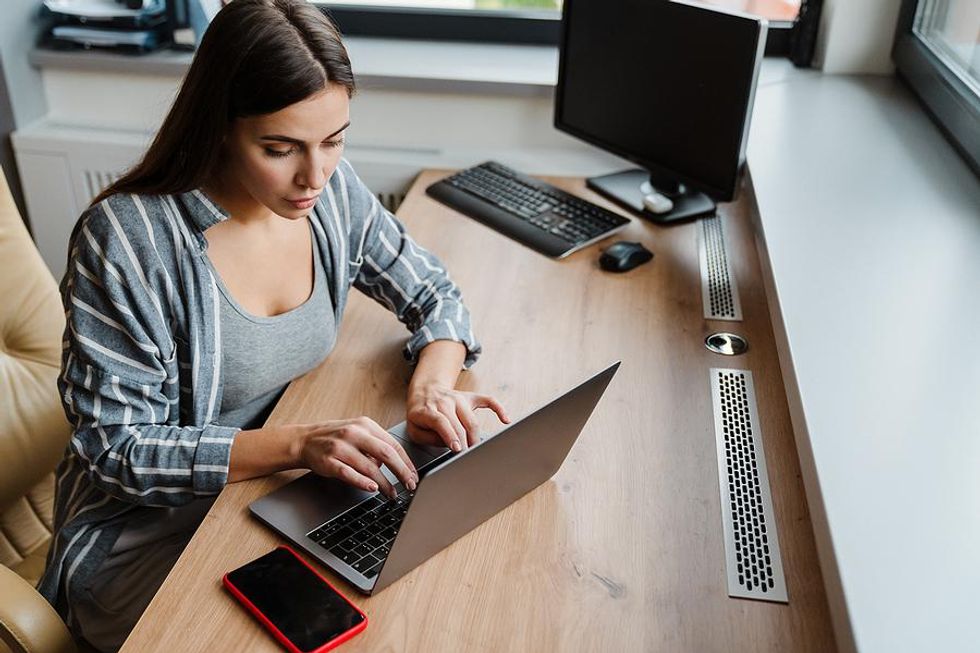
x,y
623,256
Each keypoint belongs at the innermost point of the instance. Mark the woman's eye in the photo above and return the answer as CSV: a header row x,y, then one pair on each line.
x,y
283,153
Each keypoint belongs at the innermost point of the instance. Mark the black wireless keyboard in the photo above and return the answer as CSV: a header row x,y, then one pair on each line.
x,y
526,209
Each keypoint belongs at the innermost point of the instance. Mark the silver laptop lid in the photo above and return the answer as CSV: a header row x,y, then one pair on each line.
x,y
468,488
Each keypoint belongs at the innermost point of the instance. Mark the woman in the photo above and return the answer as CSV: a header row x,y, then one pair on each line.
x,y
201,283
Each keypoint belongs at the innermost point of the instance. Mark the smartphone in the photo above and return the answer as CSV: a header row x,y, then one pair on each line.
x,y
298,605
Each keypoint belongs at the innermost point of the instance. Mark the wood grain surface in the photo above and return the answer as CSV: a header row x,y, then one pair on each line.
x,y
622,550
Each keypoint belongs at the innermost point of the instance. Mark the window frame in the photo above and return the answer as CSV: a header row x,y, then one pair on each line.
x,y
949,101
527,27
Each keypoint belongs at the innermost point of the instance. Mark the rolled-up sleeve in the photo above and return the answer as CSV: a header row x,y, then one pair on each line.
x,y
405,277
119,385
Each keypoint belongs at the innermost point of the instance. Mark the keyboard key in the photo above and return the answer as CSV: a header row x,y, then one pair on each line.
x,y
344,533
373,571
373,529
348,545
348,556
358,512
363,549
318,534
329,541
343,519
365,563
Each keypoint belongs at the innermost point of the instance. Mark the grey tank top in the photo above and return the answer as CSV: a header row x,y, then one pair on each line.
x,y
259,357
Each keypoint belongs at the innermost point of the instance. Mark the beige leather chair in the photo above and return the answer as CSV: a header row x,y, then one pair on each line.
x,y
33,434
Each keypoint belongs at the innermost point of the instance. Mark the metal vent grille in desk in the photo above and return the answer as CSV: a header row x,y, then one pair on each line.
x,y
755,568
718,290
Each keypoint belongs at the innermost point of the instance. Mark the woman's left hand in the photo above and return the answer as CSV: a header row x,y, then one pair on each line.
x,y
440,416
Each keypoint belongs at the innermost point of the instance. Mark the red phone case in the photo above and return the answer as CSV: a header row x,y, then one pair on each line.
x,y
278,634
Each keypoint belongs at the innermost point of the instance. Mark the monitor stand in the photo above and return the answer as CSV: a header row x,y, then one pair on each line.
x,y
629,187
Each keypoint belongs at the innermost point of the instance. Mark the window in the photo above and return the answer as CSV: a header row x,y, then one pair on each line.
x,y
936,51
510,21
774,10
554,5
950,29
780,10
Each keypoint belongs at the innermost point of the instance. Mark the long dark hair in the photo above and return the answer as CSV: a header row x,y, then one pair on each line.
x,y
256,57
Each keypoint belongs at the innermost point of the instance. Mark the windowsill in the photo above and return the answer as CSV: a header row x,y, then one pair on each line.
x,y
380,64
869,222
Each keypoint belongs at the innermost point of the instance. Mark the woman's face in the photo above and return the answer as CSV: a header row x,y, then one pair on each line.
x,y
283,160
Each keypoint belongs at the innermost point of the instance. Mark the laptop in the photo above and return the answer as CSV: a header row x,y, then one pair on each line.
x,y
372,541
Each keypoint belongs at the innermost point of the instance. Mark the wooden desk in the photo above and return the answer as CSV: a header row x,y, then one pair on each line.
x,y
622,550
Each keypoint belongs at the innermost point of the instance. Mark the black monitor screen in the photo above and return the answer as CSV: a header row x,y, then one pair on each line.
x,y
664,84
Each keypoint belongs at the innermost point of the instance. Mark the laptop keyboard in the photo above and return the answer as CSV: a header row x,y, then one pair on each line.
x,y
362,536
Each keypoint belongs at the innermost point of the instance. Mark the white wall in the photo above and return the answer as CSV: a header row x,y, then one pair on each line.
x,y
856,36
435,127
99,122
19,28
23,98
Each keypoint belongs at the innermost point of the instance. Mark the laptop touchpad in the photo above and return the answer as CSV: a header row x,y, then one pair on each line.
x,y
419,453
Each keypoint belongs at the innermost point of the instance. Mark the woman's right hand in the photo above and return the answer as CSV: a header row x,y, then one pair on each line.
x,y
352,450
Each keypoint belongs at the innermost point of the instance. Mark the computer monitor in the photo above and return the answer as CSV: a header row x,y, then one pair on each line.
x,y
666,85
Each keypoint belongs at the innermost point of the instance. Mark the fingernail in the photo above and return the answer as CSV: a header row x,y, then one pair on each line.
x,y
456,446
411,485
373,487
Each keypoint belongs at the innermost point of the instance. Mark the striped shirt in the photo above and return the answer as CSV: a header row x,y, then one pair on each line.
x,y
141,374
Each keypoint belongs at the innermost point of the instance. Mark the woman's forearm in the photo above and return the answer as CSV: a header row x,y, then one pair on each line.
x,y
437,413
260,452
439,364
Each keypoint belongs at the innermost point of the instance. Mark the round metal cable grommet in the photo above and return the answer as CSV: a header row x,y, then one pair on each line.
x,y
726,344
